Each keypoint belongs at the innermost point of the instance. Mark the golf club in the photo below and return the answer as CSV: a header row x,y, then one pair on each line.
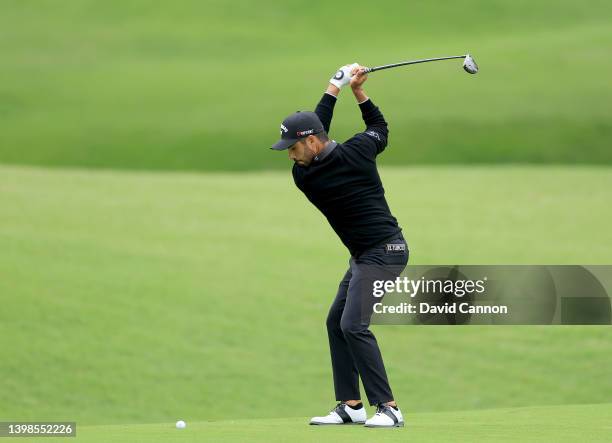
x,y
469,64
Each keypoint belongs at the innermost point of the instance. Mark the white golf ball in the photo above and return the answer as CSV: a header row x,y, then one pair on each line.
x,y
181,424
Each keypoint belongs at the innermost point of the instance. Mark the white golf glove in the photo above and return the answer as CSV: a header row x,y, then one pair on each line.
x,y
343,76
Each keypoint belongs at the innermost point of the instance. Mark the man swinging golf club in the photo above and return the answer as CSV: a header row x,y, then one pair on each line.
x,y
342,181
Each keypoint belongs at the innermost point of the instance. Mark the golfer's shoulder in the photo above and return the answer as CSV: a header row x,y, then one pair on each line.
x,y
368,143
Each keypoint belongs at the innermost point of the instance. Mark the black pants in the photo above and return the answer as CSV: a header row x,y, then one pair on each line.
x,y
353,347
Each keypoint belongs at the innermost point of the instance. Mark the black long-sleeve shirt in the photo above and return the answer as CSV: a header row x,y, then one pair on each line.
x,y
343,182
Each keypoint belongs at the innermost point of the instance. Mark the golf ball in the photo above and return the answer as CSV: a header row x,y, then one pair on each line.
x,y
181,424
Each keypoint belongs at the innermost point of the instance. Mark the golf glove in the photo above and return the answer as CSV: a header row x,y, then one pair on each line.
x,y
343,76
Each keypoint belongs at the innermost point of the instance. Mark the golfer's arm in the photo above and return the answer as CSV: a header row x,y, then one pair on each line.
x,y
374,120
325,108
360,95
370,113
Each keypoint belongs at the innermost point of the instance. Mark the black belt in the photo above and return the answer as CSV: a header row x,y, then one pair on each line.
x,y
380,243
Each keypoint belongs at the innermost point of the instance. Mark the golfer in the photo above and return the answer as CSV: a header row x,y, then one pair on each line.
x,y
342,181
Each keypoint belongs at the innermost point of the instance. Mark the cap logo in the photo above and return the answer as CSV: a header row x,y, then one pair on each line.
x,y
302,133
283,128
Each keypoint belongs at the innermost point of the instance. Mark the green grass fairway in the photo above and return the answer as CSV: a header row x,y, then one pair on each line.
x,y
158,263
204,85
572,423
148,297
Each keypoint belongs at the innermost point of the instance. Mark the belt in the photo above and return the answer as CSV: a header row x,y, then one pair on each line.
x,y
395,236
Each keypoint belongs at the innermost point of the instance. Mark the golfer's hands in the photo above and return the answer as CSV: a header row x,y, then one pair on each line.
x,y
358,76
343,75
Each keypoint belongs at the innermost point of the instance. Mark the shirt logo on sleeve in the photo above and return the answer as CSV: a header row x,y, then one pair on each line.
x,y
373,134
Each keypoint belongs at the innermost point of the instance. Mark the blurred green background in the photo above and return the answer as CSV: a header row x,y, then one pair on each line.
x,y
157,262
203,85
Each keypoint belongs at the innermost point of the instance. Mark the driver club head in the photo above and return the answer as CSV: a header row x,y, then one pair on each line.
x,y
470,65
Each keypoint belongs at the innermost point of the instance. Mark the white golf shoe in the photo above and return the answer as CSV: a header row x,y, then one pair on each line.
x,y
386,417
342,414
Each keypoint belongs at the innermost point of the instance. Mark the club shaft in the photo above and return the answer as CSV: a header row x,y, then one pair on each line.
x,y
413,62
